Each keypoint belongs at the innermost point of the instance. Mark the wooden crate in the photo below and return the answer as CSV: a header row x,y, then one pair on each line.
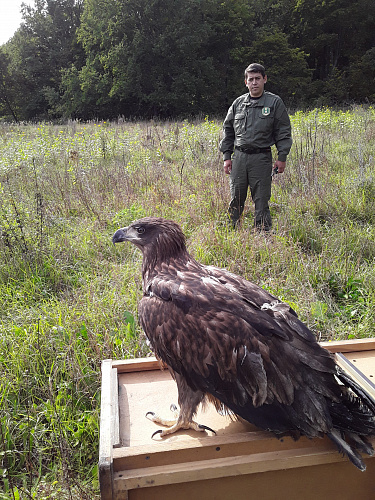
x,y
240,462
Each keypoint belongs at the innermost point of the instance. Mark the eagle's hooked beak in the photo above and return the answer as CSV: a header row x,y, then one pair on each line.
x,y
120,235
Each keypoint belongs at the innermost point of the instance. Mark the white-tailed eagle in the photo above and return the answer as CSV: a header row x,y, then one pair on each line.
x,y
226,340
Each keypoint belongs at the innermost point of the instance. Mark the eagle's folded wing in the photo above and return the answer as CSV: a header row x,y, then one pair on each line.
x,y
224,344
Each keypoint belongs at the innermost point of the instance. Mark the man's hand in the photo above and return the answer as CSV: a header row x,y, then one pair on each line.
x,y
228,166
280,165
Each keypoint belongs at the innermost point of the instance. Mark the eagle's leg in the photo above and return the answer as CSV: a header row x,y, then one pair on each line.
x,y
189,401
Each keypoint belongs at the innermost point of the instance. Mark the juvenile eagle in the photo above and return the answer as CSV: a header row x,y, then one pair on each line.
x,y
227,340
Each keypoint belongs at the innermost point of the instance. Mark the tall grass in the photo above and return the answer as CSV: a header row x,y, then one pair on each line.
x,y
68,297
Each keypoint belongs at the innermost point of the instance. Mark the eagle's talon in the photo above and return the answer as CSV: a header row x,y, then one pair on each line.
x,y
205,428
159,431
150,413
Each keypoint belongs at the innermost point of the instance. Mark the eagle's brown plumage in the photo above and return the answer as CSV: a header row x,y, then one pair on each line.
x,y
228,340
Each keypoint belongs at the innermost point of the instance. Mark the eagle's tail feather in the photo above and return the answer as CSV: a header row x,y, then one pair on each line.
x,y
362,445
356,388
345,448
353,420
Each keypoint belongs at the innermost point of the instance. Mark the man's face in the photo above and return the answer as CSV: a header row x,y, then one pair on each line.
x,y
255,83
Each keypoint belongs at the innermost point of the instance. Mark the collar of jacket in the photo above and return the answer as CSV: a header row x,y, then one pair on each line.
x,y
260,102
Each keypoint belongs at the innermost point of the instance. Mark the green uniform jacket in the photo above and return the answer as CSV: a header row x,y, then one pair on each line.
x,y
257,124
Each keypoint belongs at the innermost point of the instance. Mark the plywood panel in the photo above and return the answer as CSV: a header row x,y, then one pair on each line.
x,y
364,361
319,482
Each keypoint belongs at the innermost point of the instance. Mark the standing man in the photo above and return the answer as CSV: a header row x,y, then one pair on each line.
x,y
254,123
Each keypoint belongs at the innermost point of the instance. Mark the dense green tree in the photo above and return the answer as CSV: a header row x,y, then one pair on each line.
x,y
8,106
43,45
156,57
336,34
361,77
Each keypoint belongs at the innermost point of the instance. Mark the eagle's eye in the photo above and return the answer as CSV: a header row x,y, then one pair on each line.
x,y
140,229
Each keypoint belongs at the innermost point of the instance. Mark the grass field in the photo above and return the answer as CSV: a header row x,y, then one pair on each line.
x,y
68,297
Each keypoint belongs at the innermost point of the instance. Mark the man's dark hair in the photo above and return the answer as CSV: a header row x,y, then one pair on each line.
x,y
255,68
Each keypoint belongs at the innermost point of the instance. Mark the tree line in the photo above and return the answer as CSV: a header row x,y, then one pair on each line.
x,y
101,59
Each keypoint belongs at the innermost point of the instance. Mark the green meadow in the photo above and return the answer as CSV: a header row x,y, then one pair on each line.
x,y
68,296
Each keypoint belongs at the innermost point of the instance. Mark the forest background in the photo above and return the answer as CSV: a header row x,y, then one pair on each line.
x,y
101,59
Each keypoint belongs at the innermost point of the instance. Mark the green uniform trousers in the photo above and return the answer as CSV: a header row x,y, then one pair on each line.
x,y
254,171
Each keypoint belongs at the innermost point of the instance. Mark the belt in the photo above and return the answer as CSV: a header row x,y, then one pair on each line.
x,y
252,151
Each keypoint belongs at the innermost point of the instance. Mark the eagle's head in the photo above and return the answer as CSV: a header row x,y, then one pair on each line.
x,y
158,239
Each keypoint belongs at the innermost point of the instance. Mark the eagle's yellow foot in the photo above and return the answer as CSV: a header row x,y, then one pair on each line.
x,y
163,421
176,424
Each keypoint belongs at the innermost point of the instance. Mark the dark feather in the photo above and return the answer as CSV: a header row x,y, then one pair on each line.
x,y
225,338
